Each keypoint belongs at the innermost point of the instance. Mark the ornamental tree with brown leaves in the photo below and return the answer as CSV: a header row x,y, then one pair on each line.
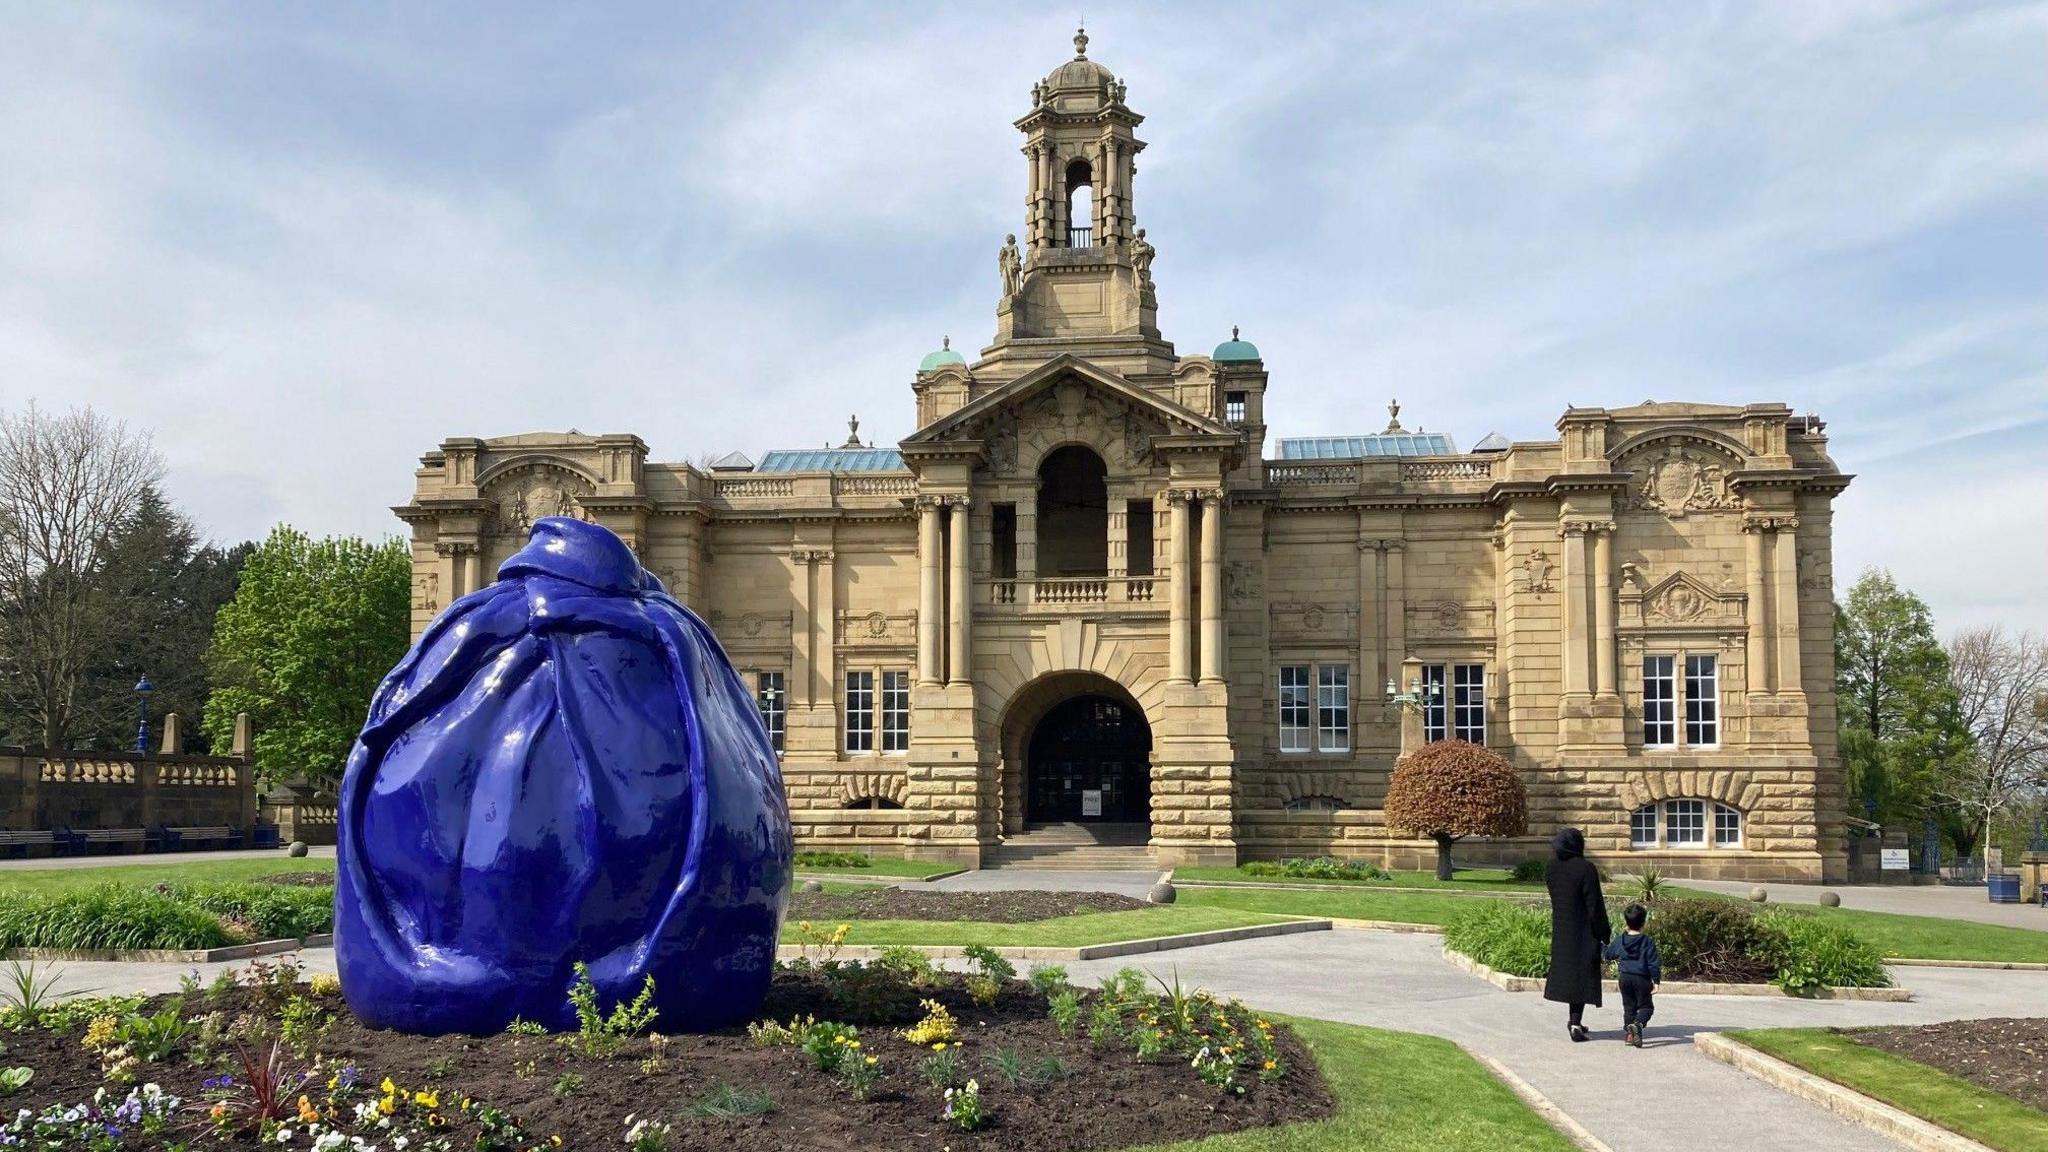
x,y
1452,789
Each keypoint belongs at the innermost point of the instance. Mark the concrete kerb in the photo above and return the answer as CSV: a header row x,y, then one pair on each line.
x,y
1107,951
1508,983
1540,1104
1847,1103
802,874
168,955
1998,965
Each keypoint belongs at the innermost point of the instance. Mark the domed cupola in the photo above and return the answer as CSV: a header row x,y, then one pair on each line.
x,y
1080,73
1235,349
945,357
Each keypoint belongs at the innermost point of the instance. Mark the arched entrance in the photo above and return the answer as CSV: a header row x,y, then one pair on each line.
x,y
1089,760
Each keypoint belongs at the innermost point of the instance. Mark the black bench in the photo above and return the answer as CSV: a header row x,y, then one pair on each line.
x,y
114,839
190,836
18,843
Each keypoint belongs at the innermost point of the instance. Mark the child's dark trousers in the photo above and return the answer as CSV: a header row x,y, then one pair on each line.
x,y
1636,1004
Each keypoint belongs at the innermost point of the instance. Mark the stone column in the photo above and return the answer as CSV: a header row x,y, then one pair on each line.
x,y
1116,549
927,590
1027,537
1756,653
1785,601
825,628
1212,587
1368,617
1603,608
803,655
1577,678
959,657
1178,574
1394,591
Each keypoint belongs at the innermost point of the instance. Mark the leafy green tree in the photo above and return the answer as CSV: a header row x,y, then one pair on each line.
x,y
158,588
313,627
1899,718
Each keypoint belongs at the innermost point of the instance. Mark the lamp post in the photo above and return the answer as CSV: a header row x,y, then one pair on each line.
x,y
1413,704
142,690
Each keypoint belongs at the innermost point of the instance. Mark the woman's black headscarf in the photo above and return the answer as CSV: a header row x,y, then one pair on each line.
x,y
1568,843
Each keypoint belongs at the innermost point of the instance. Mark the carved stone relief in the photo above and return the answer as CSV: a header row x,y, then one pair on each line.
x,y
529,492
1679,480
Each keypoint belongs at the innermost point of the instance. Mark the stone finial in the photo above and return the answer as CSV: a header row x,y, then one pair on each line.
x,y
1081,43
174,735
853,433
244,745
1394,417
1233,331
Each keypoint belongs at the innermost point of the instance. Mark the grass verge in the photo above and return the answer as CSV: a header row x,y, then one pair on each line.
x,y
1060,932
48,880
1421,907
1465,880
1929,1093
1397,1092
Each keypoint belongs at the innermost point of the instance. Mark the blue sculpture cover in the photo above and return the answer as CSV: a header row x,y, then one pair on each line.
x,y
564,768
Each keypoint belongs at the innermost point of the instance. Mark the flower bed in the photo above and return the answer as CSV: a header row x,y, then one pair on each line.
x,y
888,1055
1703,941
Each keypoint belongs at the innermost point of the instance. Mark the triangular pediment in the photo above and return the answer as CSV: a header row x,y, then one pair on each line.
x,y
1680,598
1017,398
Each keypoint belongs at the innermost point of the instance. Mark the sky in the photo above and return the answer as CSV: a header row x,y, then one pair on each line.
x,y
303,244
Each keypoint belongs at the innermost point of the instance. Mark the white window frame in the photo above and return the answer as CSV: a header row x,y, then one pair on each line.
x,y
895,711
1721,827
1702,700
1454,701
771,696
1333,707
1297,708
859,739
1660,701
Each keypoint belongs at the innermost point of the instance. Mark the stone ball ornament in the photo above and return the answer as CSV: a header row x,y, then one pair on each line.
x,y
1831,899
298,850
1760,894
565,769
1162,893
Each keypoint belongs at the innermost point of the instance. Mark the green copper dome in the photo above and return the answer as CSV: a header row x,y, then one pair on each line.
x,y
1235,349
943,357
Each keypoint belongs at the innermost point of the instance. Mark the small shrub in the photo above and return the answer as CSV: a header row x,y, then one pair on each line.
x,y
1504,936
910,963
860,1074
771,1034
1048,978
1451,789
829,1044
1048,1070
521,1026
1529,870
1715,940
301,1025
27,991
937,1026
657,1054
325,985
983,990
272,911
1065,1007
1646,887
13,1080
154,1038
599,1034
567,1084
1009,1064
1821,954
989,962
727,1102
646,1134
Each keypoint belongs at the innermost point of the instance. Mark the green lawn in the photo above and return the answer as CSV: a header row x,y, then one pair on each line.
x,y
1398,1092
67,879
1933,938
884,866
1929,1093
1060,932
1465,880
1421,907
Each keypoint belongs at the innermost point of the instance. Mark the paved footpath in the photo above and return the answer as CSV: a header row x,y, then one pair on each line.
x,y
1958,902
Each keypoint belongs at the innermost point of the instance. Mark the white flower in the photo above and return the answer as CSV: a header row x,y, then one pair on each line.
x,y
284,1135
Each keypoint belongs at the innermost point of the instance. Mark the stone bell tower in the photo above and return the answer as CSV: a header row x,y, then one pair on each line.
x,y
1081,281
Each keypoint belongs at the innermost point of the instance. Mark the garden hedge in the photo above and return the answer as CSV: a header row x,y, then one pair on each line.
x,y
181,916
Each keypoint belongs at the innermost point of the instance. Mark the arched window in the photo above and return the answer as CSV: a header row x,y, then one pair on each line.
x,y
1080,205
1685,824
1073,514
1316,804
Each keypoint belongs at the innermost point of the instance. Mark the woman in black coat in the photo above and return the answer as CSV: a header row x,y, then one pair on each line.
x,y
1578,927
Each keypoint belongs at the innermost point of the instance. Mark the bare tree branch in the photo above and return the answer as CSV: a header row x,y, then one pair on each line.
x,y
66,482
2001,684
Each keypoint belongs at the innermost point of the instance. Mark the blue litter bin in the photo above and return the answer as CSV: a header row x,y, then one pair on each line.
x,y
2004,887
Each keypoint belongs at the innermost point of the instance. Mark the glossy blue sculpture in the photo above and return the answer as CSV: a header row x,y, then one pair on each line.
x,y
565,768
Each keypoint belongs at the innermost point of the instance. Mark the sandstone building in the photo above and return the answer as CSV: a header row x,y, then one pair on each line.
x,y
1081,592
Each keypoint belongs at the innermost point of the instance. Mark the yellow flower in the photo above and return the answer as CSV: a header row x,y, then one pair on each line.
x,y
1270,1065
385,1106
939,1047
387,1087
555,1140
427,1099
871,1059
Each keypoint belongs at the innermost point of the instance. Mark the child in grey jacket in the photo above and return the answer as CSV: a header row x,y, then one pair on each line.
x,y
1635,955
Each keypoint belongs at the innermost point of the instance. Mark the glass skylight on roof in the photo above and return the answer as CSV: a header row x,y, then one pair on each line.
x,y
832,460
1354,447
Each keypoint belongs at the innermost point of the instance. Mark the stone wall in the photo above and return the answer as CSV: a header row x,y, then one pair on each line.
x,y
41,790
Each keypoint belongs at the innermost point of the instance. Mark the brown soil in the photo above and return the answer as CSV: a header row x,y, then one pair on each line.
x,y
989,907
1108,1098
2008,1056
299,879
